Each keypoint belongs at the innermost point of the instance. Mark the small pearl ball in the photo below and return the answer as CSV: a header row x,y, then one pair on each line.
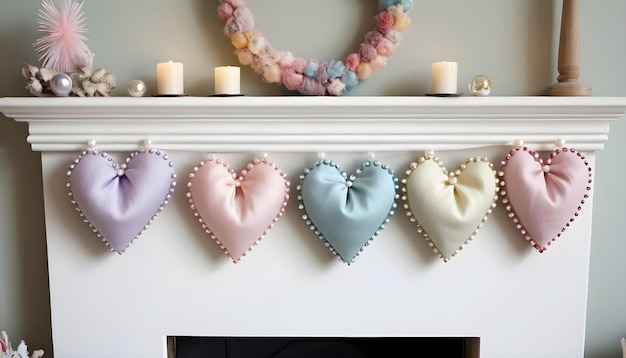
x,y
61,85
136,88
480,86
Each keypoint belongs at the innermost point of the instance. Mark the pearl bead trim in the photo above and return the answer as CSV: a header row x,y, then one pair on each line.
x,y
120,168
452,180
238,178
545,165
349,182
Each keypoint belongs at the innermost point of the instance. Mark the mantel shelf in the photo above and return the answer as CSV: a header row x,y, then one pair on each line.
x,y
497,272
295,123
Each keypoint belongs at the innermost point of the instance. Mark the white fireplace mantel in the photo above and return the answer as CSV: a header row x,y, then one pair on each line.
x,y
287,124
174,280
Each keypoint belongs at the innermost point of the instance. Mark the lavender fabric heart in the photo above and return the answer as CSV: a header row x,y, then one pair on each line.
x,y
120,200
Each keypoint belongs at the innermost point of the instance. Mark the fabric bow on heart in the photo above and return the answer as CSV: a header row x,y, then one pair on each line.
x,y
119,201
544,196
449,208
347,212
237,211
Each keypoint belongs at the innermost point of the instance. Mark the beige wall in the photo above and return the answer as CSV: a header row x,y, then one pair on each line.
x,y
514,42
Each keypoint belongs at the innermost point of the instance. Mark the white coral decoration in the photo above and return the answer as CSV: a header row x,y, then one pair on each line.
x,y
6,351
84,82
623,342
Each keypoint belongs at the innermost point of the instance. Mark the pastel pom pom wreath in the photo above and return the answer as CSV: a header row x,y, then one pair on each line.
x,y
313,77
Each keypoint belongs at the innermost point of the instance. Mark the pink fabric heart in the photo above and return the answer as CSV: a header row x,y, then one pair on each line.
x,y
237,211
120,200
544,196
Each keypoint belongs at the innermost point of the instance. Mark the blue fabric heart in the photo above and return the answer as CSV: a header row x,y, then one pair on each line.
x,y
347,212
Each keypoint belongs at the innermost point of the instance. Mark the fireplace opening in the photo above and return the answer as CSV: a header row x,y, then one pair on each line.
x,y
327,347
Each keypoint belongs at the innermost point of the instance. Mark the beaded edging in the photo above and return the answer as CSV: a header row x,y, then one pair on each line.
x,y
120,167
349,180
240,177
452,180
511,211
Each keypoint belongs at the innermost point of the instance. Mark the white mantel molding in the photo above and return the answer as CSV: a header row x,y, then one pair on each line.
x,y
495,276
303,124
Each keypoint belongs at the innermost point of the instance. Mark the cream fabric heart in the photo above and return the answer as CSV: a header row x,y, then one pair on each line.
x,y
237,211
544,196
449,207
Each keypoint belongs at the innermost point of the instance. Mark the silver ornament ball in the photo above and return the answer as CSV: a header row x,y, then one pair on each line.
x,y
61,85
136,88
480,86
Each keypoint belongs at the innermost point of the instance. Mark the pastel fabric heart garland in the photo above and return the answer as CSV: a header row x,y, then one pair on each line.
x,y
120,200
313,77
543,196
238,210
449,207
347,212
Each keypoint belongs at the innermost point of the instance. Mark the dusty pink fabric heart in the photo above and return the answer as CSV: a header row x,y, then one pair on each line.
x,y
120,200
237,211
544,196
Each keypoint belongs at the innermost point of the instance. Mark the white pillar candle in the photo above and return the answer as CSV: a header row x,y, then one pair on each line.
x,y
227,80
443,79
170,78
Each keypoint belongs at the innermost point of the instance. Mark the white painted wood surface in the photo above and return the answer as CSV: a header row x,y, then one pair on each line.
x,y
285,124
175,281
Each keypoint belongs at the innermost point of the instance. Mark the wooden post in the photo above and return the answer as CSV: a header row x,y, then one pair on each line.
x,y
569,63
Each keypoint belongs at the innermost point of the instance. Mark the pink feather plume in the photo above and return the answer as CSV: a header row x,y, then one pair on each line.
x,y
62,45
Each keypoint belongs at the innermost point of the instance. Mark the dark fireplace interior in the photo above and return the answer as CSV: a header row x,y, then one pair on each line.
x,y
318,347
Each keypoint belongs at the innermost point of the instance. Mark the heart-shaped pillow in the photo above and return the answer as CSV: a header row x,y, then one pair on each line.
x,y
237,211
347,212
449,208
119,201
544,196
